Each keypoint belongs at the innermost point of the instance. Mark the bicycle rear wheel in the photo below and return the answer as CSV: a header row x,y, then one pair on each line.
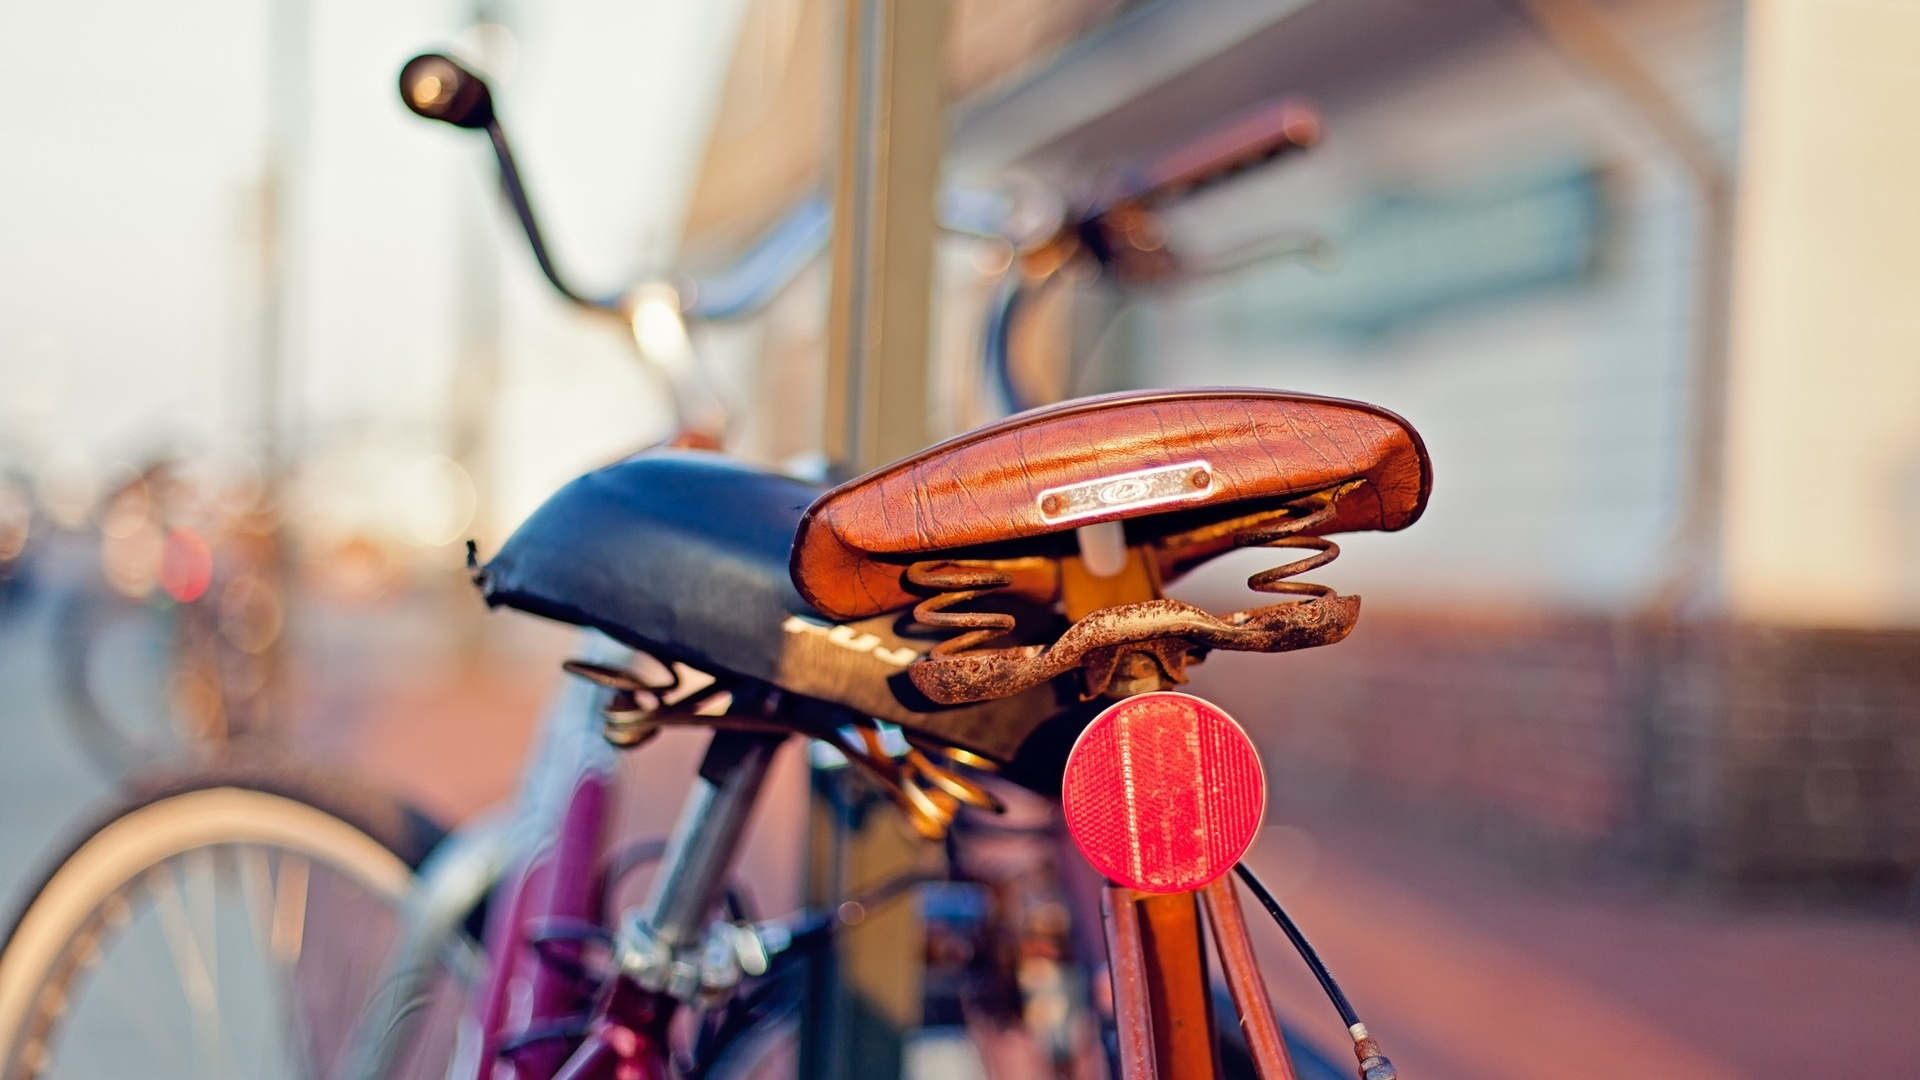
x,y
227,922
112,663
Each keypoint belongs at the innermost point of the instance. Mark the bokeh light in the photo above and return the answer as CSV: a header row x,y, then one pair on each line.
x,y
186,566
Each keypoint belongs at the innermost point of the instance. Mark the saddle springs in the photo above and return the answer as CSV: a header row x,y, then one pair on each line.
x,y
930,783
1122,649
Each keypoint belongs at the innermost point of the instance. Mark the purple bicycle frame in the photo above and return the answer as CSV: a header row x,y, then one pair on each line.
x,y
556,879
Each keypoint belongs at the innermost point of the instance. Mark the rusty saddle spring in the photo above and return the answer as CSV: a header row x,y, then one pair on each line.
x,y
955,582
968,666
958,583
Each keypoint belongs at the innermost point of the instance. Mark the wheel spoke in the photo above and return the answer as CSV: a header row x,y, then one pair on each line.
x,y
289,938
137,1011
255,874
130,1009
290,910
197,890
256,887
190,965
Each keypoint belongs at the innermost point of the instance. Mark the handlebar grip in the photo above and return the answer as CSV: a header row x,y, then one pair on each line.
x,y
1258,135
439,88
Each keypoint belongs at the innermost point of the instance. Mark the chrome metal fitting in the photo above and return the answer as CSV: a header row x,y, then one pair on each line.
x,y
713,966
643,957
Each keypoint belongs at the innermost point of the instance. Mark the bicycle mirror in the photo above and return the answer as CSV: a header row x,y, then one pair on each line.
x,y
439,88
1163,792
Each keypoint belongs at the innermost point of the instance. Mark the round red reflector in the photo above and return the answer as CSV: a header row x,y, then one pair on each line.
x,y
1163,792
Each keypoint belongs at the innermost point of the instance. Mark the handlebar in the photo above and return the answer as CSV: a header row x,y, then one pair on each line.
x,y
1121,232
1251,138
438,87
1118,230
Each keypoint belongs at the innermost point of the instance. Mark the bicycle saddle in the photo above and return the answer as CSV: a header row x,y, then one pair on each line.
x,y
674,550
1188,458
736,571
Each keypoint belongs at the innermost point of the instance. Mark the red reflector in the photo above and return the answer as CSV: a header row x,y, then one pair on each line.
x,y
1163,792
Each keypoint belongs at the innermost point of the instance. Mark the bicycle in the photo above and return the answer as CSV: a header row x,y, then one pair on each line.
x,y
938,623
168,649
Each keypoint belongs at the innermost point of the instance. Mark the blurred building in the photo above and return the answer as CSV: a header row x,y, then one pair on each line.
x,y
1636,271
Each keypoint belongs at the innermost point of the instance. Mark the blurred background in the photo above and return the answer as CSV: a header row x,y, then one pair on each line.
x,y
1623,762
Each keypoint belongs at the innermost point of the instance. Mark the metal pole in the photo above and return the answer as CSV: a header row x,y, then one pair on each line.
x,y
878,325
693,871
867,996
289,26
1132,998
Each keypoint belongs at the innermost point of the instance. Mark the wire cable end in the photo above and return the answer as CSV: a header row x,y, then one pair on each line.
x,y
1373,1064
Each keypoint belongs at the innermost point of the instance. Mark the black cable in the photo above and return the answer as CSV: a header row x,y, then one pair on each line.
x,y
515,190
1300,943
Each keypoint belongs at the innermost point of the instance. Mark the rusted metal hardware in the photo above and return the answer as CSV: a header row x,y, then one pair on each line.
x,y
1373,1064
1141,673
627,717
924,780
1127,648
1173,632
958,583
638,710
928,791
1244,983
1127,964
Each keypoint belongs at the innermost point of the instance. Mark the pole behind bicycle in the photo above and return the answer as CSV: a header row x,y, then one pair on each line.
x,y
891,124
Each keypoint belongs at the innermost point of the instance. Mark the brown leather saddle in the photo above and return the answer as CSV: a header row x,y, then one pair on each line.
x,y
1182,463
935,592
1185,475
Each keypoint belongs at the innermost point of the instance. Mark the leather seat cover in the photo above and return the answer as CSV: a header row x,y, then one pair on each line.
x,y
995,484
681,553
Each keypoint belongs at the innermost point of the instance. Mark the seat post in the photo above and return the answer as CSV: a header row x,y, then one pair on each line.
x,y
706,836
1171,962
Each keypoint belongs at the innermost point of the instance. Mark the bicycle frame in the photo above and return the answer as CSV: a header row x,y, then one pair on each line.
x,y
541,865
560,799
541,870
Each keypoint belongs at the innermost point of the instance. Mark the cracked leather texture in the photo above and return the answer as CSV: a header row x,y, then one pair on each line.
x,y
985,487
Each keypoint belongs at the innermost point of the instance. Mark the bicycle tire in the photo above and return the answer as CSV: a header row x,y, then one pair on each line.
x,y
352,850
82,616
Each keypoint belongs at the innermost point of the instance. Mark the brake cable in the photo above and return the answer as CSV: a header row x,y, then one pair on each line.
x,y
1373,1063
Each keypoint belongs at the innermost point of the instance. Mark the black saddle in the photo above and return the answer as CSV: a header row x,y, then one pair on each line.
x,y
684,554
678,552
